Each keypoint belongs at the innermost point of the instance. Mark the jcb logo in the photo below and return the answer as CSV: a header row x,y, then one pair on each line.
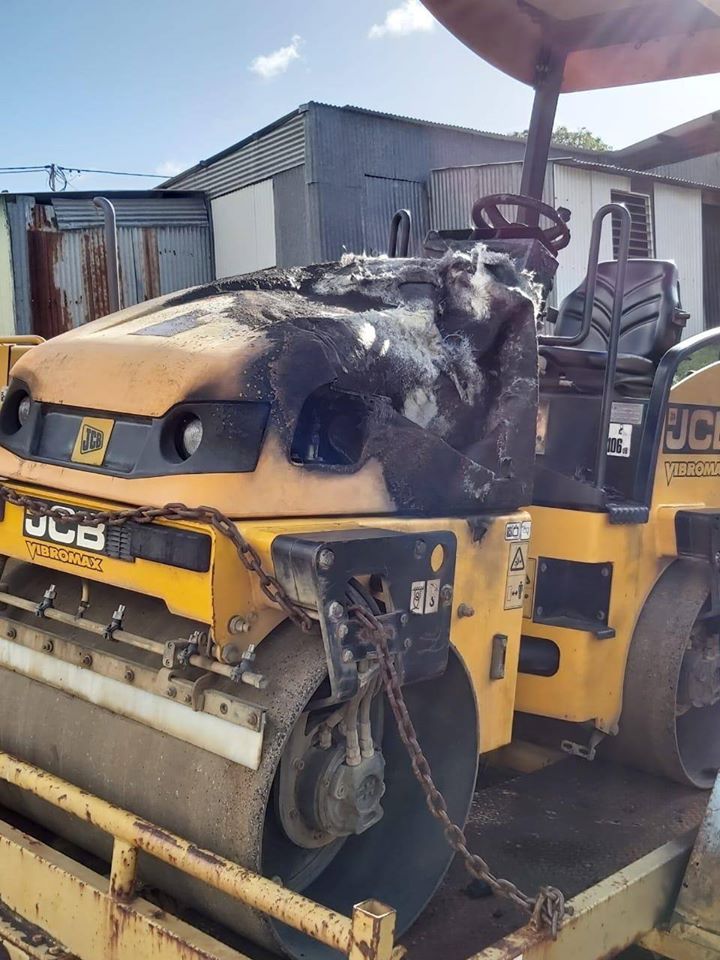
x,y
72,533
91,439
692,429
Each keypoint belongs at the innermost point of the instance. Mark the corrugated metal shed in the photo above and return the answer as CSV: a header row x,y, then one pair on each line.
x,y
59,263
382,197
453,189
678,237
278,147
244,230
347,146
76,213
703,169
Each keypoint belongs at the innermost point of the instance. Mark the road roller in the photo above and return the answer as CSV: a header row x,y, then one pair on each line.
x,y
230,514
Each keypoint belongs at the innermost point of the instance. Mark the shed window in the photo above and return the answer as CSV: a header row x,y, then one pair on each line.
x,y
641,232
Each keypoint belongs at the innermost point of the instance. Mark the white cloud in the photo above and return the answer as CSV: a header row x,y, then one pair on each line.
x,y
271,65
409,17
170,168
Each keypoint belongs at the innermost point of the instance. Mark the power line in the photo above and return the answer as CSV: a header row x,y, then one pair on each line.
x,y
59,175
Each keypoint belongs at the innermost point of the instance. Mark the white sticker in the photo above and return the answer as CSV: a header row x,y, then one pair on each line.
x,y
432,596
627,413
417,597
619,440
515,591
513,530
525,529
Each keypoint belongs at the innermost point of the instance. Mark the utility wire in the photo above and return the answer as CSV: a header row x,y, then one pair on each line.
x,y
60,176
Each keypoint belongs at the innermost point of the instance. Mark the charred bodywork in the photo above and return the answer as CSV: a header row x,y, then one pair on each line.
x,y
421,373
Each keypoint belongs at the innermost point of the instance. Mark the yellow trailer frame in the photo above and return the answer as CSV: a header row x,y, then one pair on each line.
x,y
55,907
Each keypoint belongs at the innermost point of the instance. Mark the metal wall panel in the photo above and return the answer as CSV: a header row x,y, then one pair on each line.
x,y
281,148
678,236
382,197
454,190
19,210
292,226
73,213
346,145
711,264
7,293
65,269
244,230
583,192
700,169
184,255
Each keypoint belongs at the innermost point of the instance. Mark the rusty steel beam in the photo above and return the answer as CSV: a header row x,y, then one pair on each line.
x,y
74,915
367,931
608,917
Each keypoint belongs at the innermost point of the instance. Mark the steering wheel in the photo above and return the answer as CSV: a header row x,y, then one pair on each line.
x,y
491,224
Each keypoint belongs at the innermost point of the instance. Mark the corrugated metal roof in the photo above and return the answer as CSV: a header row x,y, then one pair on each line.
x,y
278,147
350,108
74,213
628,172
688,141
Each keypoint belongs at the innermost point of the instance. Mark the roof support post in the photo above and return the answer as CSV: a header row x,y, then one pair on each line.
x,y
549,70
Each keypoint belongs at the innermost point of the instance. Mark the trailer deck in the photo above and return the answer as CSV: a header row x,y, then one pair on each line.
x,y
615,840
572,824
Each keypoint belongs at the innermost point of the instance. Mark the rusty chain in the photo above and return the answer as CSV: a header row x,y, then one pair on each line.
x,y
548,908
247,553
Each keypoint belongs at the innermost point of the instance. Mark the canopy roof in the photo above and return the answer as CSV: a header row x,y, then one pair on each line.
x,y
608,43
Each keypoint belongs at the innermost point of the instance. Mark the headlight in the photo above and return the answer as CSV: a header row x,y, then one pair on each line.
x,y
23,410
189,437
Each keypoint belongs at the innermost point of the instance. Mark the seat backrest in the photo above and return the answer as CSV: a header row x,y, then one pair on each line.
x,y
652,319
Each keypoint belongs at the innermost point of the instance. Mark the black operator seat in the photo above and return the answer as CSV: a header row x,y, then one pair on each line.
x,y
652,322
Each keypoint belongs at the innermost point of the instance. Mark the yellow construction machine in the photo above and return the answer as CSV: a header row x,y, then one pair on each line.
x,y
284,555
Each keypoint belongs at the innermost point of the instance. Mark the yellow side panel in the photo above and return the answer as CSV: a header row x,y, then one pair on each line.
x,y
483,584
589,682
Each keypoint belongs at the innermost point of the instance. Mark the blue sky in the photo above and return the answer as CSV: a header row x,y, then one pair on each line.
x,y
155,85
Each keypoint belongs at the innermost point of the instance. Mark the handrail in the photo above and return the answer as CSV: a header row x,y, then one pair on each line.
x,y
615,324
546,340
399,243
369,935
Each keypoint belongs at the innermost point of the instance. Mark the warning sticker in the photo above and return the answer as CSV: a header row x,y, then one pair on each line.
x,y
432,596
417,597
425,596
514,591
627,413
517,558
619,440
525,529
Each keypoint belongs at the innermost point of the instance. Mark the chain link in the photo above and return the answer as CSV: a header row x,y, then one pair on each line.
x,y
247,553
548,908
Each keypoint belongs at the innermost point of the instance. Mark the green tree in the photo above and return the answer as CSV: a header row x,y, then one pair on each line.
x,y
582,139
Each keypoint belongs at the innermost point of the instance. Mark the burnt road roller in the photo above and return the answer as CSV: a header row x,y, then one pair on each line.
x,y
245,526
